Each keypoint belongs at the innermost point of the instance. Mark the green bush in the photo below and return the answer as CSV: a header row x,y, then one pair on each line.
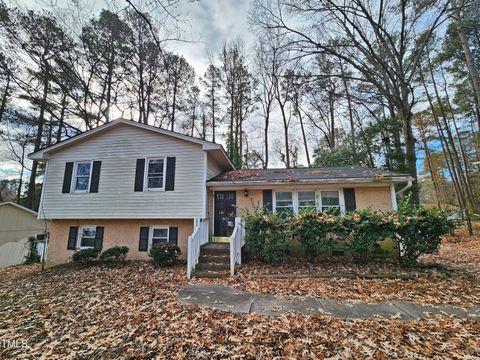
x,y
419,230
85,255
365,229
164,254
33,256
115,254
317,232
266,235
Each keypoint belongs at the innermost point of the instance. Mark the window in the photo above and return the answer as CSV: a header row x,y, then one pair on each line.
x,y
86,237
157,235
284,201
81,179
155,173
330,201
306,199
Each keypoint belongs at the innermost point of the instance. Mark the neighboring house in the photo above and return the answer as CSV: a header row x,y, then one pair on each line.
x,y
126,183
17,224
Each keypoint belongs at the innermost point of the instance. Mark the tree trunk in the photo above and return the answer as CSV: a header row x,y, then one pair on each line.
x,y
62,118
265,130
472,69
38,142
406,112
285,129
456,158
304,137
3,105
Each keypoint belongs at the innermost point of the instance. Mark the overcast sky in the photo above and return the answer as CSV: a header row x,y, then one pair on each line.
x,y
208,23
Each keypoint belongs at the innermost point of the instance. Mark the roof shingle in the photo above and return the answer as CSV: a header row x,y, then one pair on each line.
x,y
307,173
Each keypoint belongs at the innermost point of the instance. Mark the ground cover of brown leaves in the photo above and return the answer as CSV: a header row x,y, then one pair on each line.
x,y
451,276
132,312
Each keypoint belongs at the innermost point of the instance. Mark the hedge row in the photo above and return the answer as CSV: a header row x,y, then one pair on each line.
x,y
162,254
416,230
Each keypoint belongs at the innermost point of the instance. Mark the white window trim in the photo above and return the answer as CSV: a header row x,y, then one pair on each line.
x,y
318,198
341,200
145,175
79,236
74,177
297,206
150,234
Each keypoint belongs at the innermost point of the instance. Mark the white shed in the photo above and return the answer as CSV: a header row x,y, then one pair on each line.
x,y
17,224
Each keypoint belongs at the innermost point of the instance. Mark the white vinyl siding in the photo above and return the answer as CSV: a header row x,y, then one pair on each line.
x,y
213,169
119,149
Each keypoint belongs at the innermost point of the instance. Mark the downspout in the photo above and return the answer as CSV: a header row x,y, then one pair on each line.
x,y
402,190
394,195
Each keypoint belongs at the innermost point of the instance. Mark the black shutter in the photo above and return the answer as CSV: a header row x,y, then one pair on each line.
x,y
139,174
143,244
170,177
173,235
95,176
72,238
67,178
267,201
350,203
99,237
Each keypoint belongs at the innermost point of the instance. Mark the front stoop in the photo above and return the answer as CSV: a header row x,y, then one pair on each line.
x,y
214,261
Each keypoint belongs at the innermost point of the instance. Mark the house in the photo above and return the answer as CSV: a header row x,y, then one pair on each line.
x,y
126,183
17,225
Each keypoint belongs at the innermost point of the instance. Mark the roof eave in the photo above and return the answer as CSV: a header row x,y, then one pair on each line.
x,y
388,180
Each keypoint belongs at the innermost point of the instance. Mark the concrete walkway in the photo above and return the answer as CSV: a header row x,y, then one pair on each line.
x,y
220,297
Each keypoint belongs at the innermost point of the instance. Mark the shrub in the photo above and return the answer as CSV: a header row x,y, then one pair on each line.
x,y
365,229
164,254
85,255
114,255
266,235
420,230
33,256
317,232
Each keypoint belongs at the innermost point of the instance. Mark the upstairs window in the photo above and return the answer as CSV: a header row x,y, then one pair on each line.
x,y
155,171
81,180
306,199
330,202
86,237
283,201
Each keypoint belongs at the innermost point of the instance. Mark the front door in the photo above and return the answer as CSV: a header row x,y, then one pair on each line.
x,y
225,212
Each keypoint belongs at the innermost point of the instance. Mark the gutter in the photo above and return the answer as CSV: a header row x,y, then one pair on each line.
x,y
309,181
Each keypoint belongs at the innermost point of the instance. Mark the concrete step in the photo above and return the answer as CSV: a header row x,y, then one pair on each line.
x,y
212,267
213,251
216,245
210,274
214,258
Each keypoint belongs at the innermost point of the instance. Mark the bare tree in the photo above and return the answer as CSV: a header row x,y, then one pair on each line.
x,y
383,42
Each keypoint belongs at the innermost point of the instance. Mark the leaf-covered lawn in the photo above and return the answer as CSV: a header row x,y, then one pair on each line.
x,y
451,276
133,312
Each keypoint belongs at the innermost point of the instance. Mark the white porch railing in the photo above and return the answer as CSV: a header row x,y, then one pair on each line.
x,y
197,239
237,240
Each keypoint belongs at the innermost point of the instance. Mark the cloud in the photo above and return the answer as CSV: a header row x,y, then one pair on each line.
x,y
212,22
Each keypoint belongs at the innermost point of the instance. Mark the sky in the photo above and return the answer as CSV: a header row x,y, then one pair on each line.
x,y
210,23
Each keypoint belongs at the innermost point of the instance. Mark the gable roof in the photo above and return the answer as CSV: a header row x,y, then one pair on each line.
x,y
42,154
34,213
308,175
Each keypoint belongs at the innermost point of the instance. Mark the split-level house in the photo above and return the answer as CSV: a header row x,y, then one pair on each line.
x,y
130,184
